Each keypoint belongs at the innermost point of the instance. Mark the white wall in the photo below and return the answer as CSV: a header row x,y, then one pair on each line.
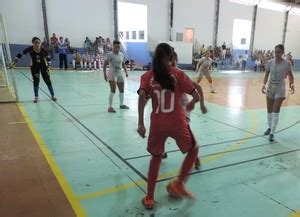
x,y
195,14
76,20
228,12
157,17
292,40
269,29
23,20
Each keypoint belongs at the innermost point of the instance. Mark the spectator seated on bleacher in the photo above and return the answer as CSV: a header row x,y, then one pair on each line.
x,y
87,59
77,62
257,64
97,61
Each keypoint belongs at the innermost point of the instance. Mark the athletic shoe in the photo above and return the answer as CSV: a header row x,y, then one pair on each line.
x,y
271,138
36,100
268,132
197,164
177,189
53,99
148,202
111,110
213,91
165,155
124,107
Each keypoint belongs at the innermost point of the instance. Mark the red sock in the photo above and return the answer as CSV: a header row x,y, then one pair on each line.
x,y
153,174
188,164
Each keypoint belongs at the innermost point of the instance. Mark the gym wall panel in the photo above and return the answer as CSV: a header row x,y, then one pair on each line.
x,y
198,15
292,40
23,20
78,19
269,29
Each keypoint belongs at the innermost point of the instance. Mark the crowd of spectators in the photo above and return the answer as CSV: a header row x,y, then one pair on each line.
x,y
218,54
93,52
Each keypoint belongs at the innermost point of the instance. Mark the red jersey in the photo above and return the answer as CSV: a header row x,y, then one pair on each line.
x,y
167,112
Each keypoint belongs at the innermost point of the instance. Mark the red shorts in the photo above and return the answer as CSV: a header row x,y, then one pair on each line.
x,y
184,138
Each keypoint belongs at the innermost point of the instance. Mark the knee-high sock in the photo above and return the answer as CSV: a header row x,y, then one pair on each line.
x,y
95,64
211,86
121,95
111,97
90,65
152,175
274,122
188,164
270,117
74,64
81,64
85,63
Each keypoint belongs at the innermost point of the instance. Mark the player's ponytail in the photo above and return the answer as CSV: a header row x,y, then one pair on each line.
x,y
162,57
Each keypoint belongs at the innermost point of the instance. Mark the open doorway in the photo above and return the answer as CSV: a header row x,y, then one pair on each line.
x,y
189,35
241,34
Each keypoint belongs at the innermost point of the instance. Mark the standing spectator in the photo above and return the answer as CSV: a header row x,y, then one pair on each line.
x,y
223,51
68,44
245,57
108,45
53,42
87,44
202,50
45,44
95,45
62,50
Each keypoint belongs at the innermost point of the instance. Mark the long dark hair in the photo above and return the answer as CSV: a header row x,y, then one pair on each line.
x,y
162,56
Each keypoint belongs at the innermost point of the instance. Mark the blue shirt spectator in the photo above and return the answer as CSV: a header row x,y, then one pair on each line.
x,y
62,46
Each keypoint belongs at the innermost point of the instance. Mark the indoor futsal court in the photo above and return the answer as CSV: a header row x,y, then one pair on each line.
x,y
71,135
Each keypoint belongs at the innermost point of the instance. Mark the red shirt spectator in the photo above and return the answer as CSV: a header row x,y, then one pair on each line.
x,y
54,40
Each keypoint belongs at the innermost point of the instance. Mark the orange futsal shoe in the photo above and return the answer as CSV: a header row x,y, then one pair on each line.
x,y
177,189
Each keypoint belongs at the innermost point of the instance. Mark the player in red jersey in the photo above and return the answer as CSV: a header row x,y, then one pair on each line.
x,y
165,85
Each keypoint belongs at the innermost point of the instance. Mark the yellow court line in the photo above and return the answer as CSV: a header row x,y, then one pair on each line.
x,y
204,160
75,203
111,190
296,214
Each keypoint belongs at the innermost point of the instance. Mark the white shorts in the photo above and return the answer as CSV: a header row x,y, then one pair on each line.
x,y
204,73
275,91
115,76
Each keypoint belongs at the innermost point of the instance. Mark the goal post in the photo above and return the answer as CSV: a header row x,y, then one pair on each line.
x,y
8,88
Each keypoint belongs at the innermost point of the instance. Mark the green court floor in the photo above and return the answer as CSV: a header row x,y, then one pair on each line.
x,y
102,163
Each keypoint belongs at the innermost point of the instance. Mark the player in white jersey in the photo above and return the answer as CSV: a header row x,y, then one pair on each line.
x,y
276,70
115,59
204,69
184,102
